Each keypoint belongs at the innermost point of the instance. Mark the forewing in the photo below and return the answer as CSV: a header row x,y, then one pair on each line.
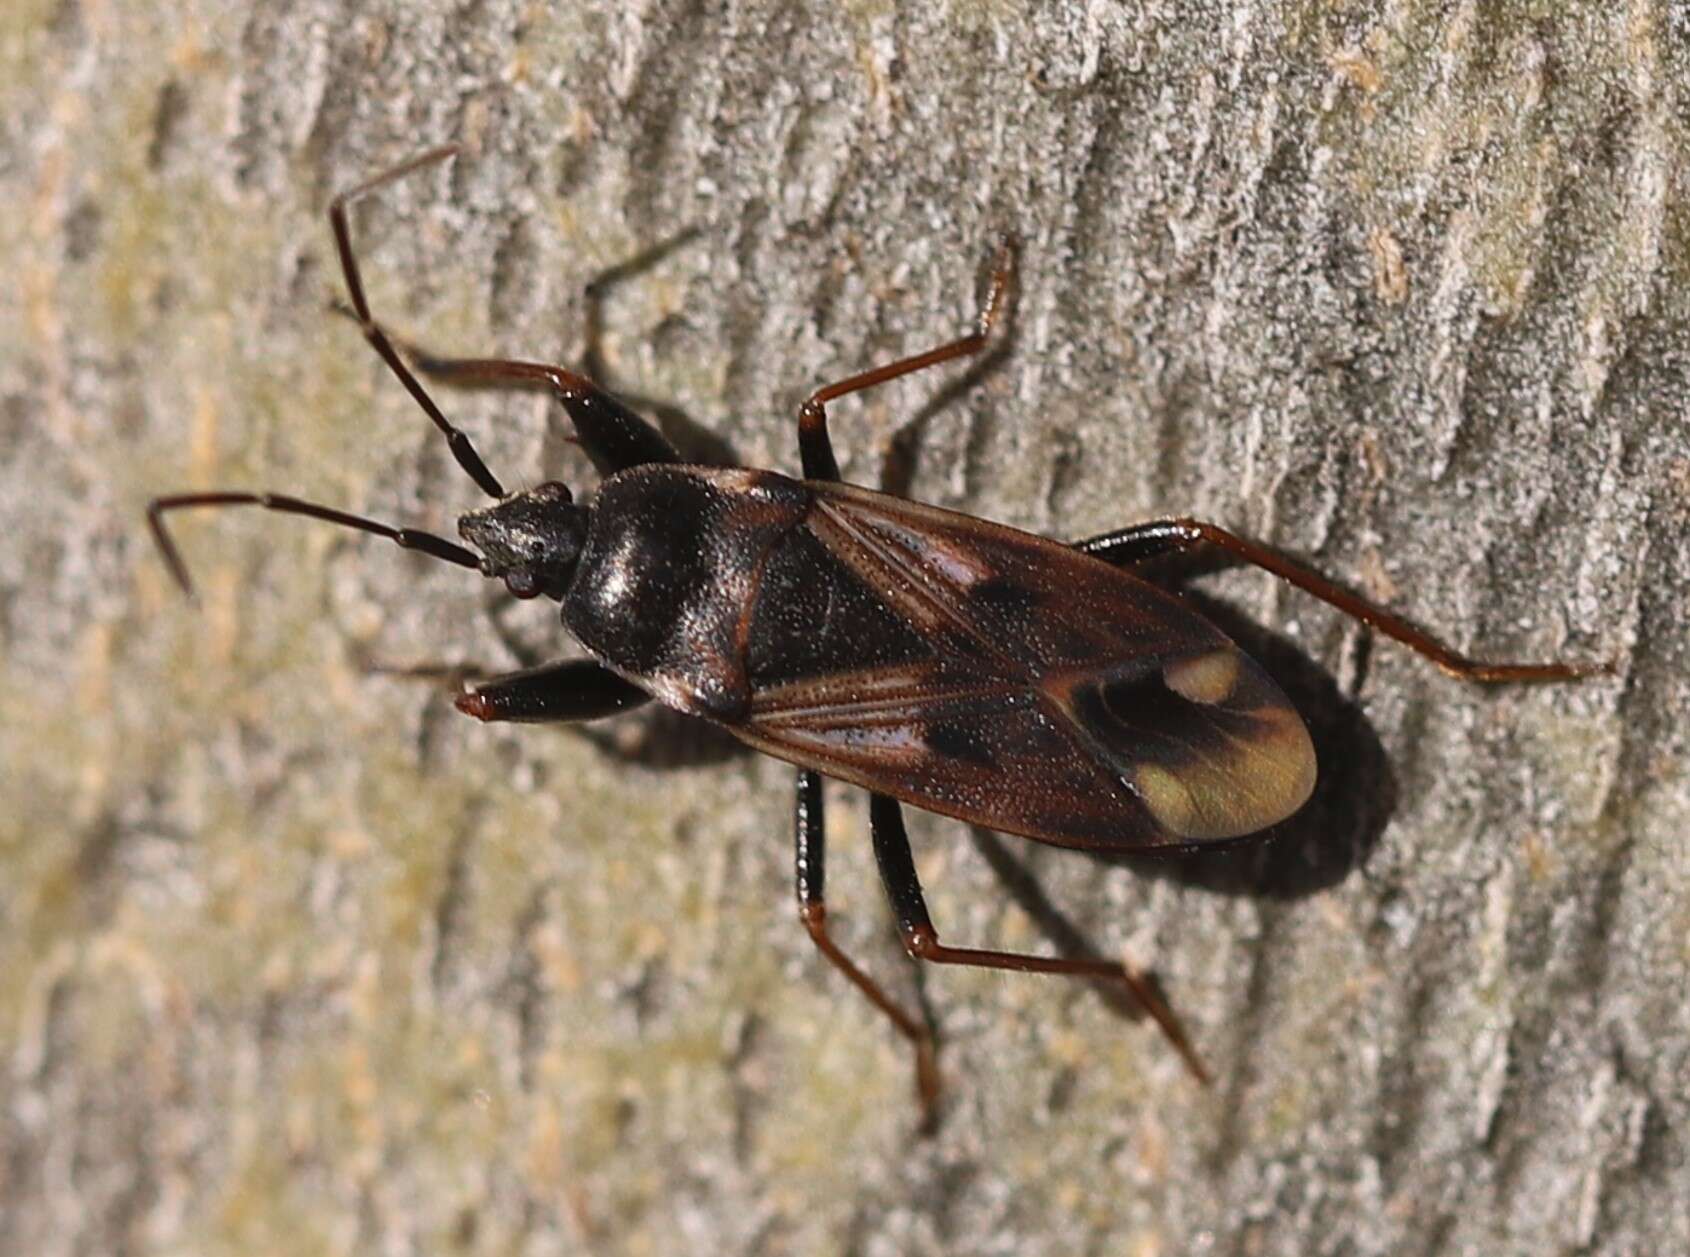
x,y
1005,679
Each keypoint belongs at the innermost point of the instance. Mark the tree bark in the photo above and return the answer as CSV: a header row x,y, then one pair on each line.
x,y
296,959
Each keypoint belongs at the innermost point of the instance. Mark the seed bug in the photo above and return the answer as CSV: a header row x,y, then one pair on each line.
x,y
931,658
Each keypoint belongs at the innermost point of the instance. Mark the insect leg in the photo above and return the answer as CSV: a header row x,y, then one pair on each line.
x,y
462,448
897,871
1143,541
810,859
576,689
1128,547
408,538
614,437
815,447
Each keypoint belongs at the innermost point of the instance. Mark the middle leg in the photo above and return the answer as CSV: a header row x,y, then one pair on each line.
x,y
815,446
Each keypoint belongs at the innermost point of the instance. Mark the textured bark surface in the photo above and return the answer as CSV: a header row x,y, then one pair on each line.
x,y
292,958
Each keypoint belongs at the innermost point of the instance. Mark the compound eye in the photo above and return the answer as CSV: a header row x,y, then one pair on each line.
x,y
522,583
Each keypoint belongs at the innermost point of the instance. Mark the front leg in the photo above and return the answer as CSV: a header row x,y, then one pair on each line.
x,y
613,436
574,690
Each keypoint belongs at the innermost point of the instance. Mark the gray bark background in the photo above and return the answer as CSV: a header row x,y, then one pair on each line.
x,y
294,959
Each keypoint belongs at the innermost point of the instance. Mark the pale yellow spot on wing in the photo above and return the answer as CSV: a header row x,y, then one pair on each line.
x,y
1250,784
1204,678
1167,798
1280,765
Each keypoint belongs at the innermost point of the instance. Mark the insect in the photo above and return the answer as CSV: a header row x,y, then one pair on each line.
x,y
931,658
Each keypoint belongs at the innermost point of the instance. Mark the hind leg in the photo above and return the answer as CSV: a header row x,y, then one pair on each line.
x,y
809,841
921,938
1128,547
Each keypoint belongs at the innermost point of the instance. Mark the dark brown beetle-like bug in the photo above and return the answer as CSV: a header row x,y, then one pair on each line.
x,y
931,658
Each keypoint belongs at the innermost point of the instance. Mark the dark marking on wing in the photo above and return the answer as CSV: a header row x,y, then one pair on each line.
x,y
960,739
814,616
1002,597
1159,725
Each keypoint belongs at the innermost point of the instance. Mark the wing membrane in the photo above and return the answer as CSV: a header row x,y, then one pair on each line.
x,y
1030,688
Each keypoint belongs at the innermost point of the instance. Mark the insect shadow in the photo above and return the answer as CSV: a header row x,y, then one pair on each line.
x,y
901,462
1355,794
1328,839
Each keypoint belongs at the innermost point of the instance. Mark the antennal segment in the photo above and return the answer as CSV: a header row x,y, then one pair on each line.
x,y
408,538
462,448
